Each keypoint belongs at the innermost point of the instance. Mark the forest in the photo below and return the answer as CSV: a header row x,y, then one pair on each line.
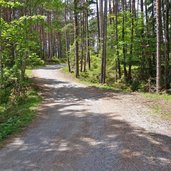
x,y
122,43
85,85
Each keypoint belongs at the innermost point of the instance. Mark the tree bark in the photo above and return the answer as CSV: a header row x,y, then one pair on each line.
x,y
104,43
158,53
76,30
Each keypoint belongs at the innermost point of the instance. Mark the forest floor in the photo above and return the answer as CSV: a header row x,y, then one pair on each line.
x,y
83,128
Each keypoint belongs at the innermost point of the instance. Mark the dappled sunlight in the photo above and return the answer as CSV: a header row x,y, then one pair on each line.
x,y
126,153
63,146
116,139
76,130
91,141
17,142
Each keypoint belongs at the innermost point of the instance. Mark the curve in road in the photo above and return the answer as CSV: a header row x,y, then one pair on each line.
x,y
86,129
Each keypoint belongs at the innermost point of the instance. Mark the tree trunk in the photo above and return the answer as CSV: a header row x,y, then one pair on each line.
x,y
104,43
158,62
76,30
167,46
98,24
118,67
123,39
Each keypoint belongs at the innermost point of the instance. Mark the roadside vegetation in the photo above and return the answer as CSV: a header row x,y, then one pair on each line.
x,y
19,50
159,103
118,45
115,43
17,112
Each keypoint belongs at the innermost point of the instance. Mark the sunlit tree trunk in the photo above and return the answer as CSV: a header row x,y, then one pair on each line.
x,y
158,52
98,24
118,66
123,39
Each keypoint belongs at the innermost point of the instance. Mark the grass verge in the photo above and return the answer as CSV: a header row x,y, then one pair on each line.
x,y
89,82
160,104
15,117
153,96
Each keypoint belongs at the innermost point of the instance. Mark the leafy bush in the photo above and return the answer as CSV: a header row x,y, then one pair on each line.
x,y
34,60
13,117
4,95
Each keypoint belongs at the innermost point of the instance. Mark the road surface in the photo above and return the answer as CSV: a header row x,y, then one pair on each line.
x,y
82,128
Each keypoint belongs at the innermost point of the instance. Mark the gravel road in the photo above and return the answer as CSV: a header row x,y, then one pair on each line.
x,y
83,128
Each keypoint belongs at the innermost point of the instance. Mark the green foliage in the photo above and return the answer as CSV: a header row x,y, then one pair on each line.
x,y
14,117
55,60
9,4
29,72
34,60
20,49
92,75
53,4
4,95
133,38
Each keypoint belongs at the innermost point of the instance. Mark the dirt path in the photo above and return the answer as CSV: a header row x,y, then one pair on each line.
x,y
86,129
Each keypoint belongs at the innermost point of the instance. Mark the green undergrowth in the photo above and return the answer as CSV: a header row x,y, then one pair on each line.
x,y
14,116
55,60
29,72
90,78
93,75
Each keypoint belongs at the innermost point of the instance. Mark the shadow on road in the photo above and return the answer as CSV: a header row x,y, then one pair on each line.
x,y
72,138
